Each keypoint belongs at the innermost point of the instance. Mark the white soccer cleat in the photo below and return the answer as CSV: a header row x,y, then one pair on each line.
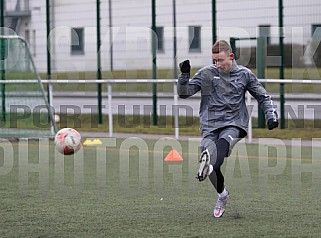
x,y
203,171
220,206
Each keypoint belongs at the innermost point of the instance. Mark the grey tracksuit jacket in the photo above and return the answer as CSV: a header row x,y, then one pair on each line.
x,y
223,96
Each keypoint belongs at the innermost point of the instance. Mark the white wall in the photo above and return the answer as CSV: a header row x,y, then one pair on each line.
x,y
132,34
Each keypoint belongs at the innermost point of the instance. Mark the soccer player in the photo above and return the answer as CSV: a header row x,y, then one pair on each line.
x,y
223,113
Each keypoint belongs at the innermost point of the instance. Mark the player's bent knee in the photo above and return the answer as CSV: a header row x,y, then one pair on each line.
x,y
223,148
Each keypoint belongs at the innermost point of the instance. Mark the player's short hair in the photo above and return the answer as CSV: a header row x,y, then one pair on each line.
x,y
221,46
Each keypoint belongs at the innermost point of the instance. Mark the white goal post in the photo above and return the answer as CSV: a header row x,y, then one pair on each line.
x,y
22,93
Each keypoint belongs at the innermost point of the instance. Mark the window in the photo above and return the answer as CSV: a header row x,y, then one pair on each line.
x,y
160,38
316,31
315,46
194,36
77,41
265,31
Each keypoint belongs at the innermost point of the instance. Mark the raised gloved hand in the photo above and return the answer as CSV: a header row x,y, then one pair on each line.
x,y
185,67
272,123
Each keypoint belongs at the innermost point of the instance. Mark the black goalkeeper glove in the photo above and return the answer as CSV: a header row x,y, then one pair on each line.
x,y
272,123
185,67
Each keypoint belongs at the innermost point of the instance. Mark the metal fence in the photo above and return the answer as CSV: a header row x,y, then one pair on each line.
x,y
214,19
175,97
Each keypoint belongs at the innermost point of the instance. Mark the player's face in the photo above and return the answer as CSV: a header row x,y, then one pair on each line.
x,y
223,61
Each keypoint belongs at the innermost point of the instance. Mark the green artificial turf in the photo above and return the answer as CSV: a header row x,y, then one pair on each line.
x,y
124,188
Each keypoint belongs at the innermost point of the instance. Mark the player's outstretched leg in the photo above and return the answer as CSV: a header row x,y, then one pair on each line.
x,y
205,167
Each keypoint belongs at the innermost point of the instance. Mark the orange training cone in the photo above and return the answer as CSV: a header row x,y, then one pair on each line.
x,y
173,155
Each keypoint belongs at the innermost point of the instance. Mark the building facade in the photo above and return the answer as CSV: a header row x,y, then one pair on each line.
x,y
126,33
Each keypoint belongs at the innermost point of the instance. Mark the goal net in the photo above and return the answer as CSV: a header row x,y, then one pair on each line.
x,y
24,107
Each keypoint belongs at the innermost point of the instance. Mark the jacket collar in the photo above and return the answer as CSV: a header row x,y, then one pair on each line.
x,y
234,66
